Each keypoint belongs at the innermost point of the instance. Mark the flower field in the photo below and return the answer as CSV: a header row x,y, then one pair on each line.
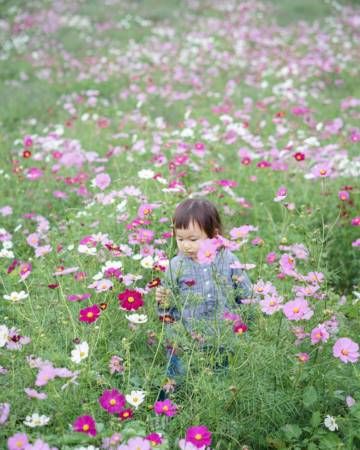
x,y
114,112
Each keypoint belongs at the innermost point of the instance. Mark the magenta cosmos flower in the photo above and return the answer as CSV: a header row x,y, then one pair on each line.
x,y
154,438
239,328
198,436
347,350
90,314
166,407
297,309
130,300
18,441
113,401
85,424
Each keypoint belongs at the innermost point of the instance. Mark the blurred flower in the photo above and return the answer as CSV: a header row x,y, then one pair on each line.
x,y
330,423
4,335
343,196
146,174
239,328
39,444
16,296
137,443
116,365
137,318
32,393
303,357
350,401
154,438
18,441
207,252
126,414
4,412
36,420
319,334
102,181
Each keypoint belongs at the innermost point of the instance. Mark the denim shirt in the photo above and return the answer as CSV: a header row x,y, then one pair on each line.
x,y
205,291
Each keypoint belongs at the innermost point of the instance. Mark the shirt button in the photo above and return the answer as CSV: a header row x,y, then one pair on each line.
x,y
207,282
209,295
205,270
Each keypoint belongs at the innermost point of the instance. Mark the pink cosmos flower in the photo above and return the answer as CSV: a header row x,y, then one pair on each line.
x,y
85,424
25,270
306,291
34,173
314,277
39,444
346,350
15,340
271,304
18,441
102,285
116,365
242,232
356,243
300,334
281,194
297,309
45,374
145,210
166,408
355,222
43,250
90,314
28,142
65,271
32,393
231,316
321,171
137,443
198,436
239,328
303,357
4,412
60,194
350,401
264,288
271,257
343,196
287,264
112,401
207,252
319,334
6,210
78,297
154,438
33,240
102,181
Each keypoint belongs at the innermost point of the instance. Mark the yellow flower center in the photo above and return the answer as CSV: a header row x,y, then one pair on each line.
x,y
239,233
131,299
322,172
165,408
345,352
135,399
318,335
296,310
260,289
272,303
103,286
198,436
19,444
112,402
82,354
85,427
146,211
290,260
126,414
89,314
208,253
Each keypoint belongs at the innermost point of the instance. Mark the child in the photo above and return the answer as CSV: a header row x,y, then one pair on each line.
x,y
206,291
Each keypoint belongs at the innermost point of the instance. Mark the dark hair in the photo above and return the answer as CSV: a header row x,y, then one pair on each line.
x,y
203,212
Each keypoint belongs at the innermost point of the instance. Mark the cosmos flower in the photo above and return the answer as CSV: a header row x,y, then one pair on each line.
x,y
297,309
135,398
112,401
80,352
90,314
165,408
346,350
85,424
130,300
198,436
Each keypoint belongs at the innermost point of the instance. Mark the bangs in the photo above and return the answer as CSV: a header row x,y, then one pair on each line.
x,y
199,211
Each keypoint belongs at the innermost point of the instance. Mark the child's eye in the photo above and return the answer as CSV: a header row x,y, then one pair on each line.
x,y
193,240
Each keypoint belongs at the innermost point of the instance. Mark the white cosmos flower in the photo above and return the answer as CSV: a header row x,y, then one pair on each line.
x,y
36,421
135,398
16,296
6,253
80,352
4,334
87,250
147,262
137,318
146,174
330,423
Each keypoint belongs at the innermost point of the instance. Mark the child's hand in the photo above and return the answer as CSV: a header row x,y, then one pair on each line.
x,y
162,296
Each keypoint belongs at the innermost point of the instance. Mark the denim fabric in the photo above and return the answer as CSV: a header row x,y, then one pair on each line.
x,y
206,291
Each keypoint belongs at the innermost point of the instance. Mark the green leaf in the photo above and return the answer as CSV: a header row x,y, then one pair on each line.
x,y
329,442
312,446
291,431
316,419
309,396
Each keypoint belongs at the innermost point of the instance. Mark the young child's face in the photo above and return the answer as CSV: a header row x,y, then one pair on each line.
x,y
189,239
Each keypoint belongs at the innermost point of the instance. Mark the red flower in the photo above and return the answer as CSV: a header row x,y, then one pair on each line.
x,y
246,161
239,328
190,282
299,156
90,314
130,300
166,318
155,282
53,286
26,154
85,424
126,414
